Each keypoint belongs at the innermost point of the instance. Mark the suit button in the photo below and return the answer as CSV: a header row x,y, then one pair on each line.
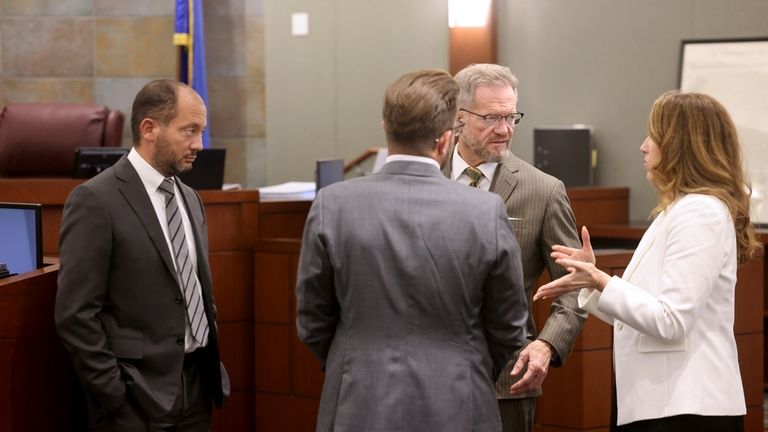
x,y
179,300
619,325
179,341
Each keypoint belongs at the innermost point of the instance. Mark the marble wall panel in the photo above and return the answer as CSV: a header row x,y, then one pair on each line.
x,y
224,45
24,90
47,46
256,163
47,7
254,45
118,93
226,107
134,46
256,106
235,165
133,7
254,7
223,7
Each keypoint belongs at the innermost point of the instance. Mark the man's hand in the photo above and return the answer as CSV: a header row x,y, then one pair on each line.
x,y
536,357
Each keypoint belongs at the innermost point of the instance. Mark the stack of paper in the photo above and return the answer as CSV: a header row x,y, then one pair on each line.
x,y
291,191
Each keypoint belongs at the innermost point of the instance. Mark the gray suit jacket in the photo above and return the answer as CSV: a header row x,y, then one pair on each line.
x,y
543,217
119,310
410,293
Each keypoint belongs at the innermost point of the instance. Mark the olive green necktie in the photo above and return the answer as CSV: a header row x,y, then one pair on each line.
x,y
474,174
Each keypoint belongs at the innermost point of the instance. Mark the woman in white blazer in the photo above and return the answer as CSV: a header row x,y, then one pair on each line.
x,y
673,310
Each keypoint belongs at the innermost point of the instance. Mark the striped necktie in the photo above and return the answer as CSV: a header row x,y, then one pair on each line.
x,y
474,174
184,269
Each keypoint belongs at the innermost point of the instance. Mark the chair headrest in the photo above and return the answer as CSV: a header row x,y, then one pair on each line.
x,y
39,139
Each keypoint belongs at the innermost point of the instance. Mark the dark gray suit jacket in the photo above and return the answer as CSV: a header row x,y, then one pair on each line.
x,y
119,310
410,292
542,218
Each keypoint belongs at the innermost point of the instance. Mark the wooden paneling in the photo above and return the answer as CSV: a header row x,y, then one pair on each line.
x,y
749,297
236,414
599,205
468,45
577,396
307,371
236,349
232,274
41,372
272,412
750,346
272,344
34,368
283,219
273,291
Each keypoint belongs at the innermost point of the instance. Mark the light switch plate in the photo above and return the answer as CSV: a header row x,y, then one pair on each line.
x,y
300,24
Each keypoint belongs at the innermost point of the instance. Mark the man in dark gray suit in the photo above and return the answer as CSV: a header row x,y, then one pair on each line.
x,y
409,285
541,216
135,306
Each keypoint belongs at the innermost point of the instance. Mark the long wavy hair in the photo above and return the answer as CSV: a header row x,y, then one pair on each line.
x,y
700,153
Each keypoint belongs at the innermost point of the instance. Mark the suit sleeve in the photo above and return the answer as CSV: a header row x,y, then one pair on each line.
x,y
85,252
565,317
317,306
505,310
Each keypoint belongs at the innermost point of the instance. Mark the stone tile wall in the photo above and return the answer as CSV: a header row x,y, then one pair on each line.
x,y
103,51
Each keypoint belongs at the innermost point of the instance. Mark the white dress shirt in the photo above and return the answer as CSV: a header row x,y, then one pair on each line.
x,y
458,165
152,178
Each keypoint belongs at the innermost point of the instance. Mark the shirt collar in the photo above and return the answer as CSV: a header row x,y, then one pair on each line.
x,y
150,177
412,158
458,165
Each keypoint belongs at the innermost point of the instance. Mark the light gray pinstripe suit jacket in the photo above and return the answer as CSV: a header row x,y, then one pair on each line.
x,y
410,291
546,219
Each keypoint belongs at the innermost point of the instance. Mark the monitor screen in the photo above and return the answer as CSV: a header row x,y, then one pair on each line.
x,y
90,161
329,171
207,170
21,248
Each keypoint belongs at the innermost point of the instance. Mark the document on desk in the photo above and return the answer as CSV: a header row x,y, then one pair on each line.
x,y
290,191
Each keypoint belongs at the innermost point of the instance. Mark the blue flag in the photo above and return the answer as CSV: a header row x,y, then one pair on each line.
x,y
191,41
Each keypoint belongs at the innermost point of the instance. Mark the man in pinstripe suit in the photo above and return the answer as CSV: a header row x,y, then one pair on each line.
x,y
540,214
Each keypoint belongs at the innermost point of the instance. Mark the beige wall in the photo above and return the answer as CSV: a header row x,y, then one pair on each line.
x,y
597,62
603,62
103,51
325,90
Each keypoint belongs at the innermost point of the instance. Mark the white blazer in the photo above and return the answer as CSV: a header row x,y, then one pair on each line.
x,y
672,313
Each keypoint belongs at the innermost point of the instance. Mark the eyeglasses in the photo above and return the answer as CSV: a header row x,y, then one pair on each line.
x,y
489,120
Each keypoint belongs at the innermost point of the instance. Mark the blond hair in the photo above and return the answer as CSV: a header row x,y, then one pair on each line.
x,y
418,108
482,74
700,153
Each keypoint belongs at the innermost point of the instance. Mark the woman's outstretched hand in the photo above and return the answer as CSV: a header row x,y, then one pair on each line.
x,y
582,272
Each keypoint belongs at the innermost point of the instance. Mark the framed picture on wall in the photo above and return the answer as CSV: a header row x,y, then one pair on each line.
x,y
735,72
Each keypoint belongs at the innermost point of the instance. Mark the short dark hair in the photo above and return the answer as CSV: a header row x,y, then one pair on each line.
x,y
419,107
157,100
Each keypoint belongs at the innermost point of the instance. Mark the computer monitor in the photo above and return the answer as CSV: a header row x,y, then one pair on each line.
x,y
328,171
21,231
207,170
90,161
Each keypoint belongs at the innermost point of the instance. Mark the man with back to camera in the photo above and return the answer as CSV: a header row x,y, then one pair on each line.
x,y
134,306
541,216
409,286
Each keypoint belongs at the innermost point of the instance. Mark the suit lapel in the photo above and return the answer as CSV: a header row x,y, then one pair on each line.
x,y
135,194
646,243
505,179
